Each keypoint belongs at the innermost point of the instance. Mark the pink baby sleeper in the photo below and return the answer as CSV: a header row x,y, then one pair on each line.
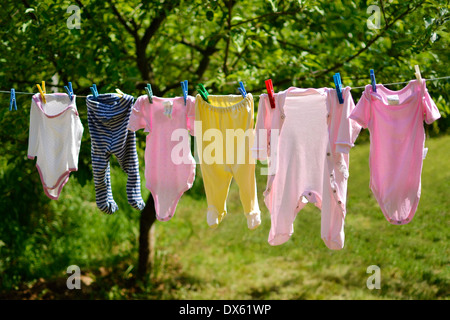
x,y
169,164
308,141
397,139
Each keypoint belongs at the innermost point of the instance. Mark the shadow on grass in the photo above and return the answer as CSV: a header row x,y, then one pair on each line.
x,y
113,282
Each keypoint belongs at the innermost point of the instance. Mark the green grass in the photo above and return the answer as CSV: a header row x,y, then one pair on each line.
x,y
193,261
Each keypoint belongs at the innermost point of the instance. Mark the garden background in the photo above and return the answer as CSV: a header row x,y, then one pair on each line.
x,y
127,44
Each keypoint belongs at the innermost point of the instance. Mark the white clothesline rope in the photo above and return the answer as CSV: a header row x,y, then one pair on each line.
x,y
404,82
384,84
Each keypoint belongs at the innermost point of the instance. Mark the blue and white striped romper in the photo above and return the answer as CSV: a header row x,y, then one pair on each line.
x,y
108,117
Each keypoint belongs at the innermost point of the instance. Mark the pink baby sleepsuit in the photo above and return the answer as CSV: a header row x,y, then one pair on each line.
x,y
397,140
169,164
307,141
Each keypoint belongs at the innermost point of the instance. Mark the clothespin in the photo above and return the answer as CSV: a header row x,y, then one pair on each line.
x,y
184,88
12,100
42,91
269,87
94,91
119,93
418,74
338,85
372,78
69,90
148,88
202,91
242,89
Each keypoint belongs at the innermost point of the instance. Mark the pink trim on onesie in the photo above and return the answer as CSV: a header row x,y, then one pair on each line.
x,y
38,100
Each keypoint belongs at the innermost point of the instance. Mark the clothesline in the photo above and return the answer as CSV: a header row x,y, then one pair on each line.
x,y
404,82
362,87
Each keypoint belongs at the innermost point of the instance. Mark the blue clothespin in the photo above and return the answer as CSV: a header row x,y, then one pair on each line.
x,y
148,88
69,91
94,91
338,85
242,89
184,88
372,78
12,100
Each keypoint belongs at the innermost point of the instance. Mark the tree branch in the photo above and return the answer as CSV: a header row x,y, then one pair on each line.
x,y
371,42
184,42
239,56
384,13
281,13
159,18
230,5
132,32
320,73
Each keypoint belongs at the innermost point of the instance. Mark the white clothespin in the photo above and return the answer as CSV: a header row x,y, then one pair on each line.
x,y
418,75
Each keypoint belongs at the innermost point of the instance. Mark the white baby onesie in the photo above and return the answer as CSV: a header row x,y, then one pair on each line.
x,y
55,138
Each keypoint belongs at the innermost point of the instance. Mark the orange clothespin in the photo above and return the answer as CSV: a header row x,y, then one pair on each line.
x,y
42,91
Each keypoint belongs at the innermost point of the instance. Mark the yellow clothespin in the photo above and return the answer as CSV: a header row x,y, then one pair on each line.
x,y
119,93
418,75
42,91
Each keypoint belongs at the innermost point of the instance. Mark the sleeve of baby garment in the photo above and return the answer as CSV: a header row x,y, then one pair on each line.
x,y
348,129
33,140
259,149
430,110
137,118
190,114
361,113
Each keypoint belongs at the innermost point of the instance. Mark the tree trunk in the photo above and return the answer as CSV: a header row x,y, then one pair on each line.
x,y
146,238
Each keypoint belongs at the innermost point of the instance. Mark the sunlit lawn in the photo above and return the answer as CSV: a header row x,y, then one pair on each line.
x,y
193,261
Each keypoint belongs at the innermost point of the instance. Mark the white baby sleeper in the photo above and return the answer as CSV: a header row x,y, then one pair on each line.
x,y
55,139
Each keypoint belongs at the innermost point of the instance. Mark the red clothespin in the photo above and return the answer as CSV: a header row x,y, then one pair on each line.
x,y
269,87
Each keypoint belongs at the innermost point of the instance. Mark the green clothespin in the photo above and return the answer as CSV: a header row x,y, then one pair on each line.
x,y
202,91
149,92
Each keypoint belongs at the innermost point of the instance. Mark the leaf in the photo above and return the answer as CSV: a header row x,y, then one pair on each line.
x,y
273,4
257,43
210,15
434,37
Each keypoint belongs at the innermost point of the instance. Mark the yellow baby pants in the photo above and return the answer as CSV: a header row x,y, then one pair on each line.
x,y
224,135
